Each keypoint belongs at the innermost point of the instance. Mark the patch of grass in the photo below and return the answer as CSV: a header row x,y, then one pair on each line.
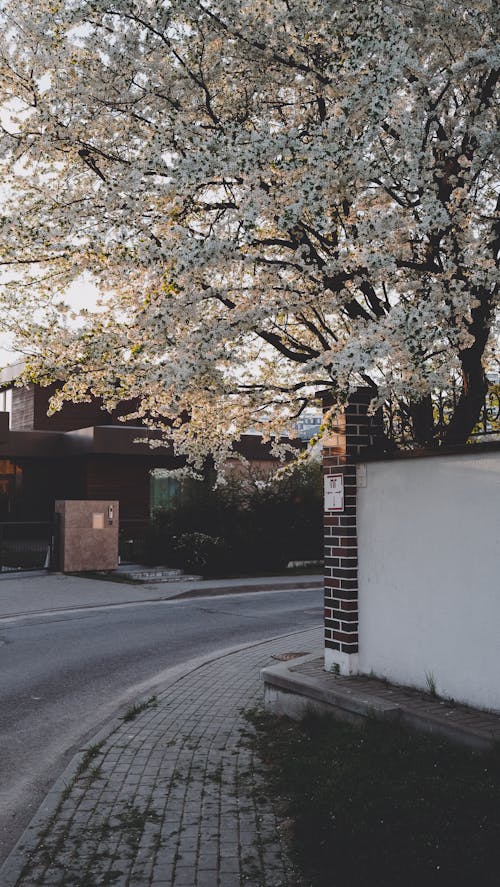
x,y
216,775
83,768
430,681
89,756
135,710
132,823
382,805
52,839
88,879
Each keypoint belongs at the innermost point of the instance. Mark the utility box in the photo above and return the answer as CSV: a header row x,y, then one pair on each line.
x,y
88,534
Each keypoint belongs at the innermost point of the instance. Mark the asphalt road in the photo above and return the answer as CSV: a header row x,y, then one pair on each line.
x,y
64,674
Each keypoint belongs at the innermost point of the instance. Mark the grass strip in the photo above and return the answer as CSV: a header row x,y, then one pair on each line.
x,y
380,805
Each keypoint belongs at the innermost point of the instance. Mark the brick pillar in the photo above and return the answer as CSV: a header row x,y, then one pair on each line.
x,y
350,435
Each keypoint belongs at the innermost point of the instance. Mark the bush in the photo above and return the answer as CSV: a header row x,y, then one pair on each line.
x,y
200,552
252,523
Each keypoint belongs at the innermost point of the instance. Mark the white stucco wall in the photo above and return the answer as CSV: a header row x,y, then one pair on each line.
x,y
429,574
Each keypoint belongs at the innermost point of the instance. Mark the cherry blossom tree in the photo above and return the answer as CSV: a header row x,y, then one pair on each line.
x,y
275,198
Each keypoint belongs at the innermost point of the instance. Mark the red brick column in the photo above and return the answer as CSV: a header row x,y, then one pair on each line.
x,y
349,436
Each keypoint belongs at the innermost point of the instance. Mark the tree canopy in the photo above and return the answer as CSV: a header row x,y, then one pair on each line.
x,y
275,197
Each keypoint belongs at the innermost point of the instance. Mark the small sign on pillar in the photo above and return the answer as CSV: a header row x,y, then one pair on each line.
x,y
334,492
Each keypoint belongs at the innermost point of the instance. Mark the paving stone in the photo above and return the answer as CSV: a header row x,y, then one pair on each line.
x,y
208,859
230,864
184,877
207,878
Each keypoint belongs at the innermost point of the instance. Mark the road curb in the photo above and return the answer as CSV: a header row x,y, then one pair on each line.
x,y
216,590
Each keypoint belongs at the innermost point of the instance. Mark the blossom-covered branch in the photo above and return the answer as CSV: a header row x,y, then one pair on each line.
x,y
274,198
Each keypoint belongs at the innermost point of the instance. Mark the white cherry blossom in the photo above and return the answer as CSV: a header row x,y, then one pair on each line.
x,y
275,198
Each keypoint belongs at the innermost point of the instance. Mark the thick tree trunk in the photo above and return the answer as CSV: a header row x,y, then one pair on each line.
x,y
469,405
422,419
474,380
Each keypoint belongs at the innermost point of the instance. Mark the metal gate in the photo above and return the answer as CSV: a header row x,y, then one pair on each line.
x,y
27,545
132,541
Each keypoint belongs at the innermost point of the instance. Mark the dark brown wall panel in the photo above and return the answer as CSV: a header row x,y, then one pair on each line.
x,y
123,478
21,418
72,415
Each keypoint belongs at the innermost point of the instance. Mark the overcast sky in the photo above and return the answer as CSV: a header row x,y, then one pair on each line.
x,y
82,294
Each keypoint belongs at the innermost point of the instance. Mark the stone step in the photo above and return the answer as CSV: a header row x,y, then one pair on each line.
x,y
158,575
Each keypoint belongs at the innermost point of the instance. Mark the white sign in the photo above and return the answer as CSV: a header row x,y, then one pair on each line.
x,y
334,492
361,475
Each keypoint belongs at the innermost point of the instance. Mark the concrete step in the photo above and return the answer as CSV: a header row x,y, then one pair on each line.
x,y
159,574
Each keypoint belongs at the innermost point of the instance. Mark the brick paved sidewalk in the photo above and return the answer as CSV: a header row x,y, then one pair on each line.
x,y
172,798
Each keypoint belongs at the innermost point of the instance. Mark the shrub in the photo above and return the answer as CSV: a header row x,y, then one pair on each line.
x,y
200,552
250,524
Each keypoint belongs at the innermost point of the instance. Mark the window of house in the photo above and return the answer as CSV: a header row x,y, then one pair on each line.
x,y
6,401
163,491
11,476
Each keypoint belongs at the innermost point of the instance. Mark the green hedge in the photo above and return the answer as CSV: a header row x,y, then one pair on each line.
x,y
247,525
